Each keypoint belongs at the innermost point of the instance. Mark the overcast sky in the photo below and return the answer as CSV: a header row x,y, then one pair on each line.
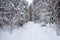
x,y
29,1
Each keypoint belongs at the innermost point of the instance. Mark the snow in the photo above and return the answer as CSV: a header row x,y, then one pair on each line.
x,y
29,1
30,31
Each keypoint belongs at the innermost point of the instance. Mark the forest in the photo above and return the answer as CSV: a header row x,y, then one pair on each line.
x,y
15,14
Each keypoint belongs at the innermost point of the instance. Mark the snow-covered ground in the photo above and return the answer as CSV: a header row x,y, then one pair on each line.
x,y
30,31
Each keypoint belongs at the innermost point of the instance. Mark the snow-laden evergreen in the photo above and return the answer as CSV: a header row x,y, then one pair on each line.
x,y
40,11
12,11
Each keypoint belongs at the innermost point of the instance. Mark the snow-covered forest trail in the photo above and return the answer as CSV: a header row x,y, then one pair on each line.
x,y
30,31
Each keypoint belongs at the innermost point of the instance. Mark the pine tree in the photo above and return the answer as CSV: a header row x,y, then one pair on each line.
x,y
40,10
13,12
